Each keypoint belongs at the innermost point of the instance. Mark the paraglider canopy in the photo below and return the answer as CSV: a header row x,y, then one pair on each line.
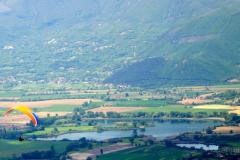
x,y
25,110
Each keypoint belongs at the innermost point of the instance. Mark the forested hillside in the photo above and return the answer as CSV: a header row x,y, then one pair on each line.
x,y
140,42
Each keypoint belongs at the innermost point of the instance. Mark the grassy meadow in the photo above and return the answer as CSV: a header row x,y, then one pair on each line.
x,y
60,130
11,148
180,108
159,152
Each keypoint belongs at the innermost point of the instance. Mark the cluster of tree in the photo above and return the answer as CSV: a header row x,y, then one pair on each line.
x,y
214,155
9,134
200,137
82,143
82,114
227,95
233,119
231,97
49,154
47,121
172,114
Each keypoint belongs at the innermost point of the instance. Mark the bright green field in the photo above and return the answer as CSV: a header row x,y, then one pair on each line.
x,y
10,147
234,85
178,108
2,110
156,152
10,94
50,130
66,108
234,143
58,108
55,96
144,103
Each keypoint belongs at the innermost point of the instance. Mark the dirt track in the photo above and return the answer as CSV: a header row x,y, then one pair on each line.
x,y
95,152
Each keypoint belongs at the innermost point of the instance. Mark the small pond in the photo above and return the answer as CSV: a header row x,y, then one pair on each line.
x,y
200,146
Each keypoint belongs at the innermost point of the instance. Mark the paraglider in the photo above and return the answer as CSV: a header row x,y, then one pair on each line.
x,y
20,139
25,110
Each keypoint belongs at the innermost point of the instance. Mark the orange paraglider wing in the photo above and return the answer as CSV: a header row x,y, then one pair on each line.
x,y
25,110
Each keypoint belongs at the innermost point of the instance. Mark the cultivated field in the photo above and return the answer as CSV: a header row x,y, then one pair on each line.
x,y
230,109
165,109
189,101
52,114
227,129
23,119
58,107
47,103
14,119
217,106
237,111
116,109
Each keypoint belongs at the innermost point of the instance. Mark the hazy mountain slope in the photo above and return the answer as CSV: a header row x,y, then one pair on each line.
x,y
93,39
202,51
